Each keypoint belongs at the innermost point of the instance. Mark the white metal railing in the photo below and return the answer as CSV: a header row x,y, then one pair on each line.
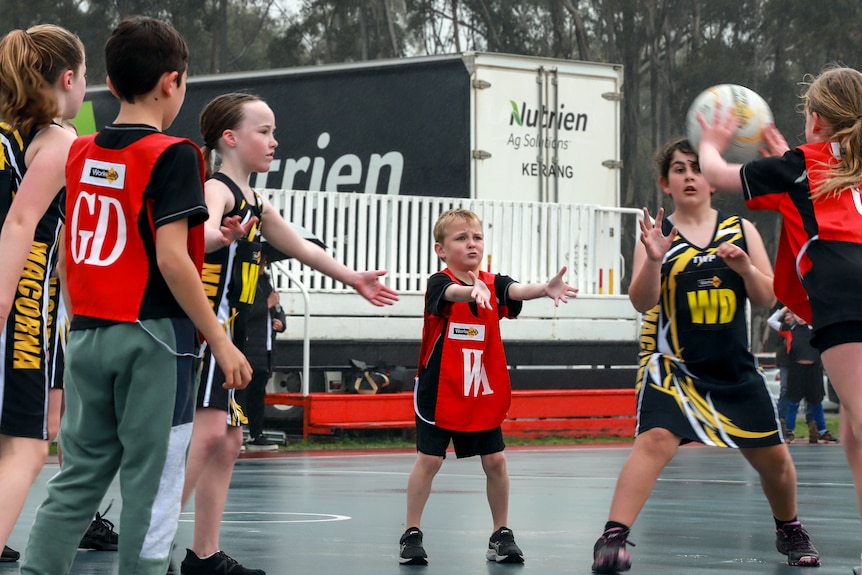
x,y
529,241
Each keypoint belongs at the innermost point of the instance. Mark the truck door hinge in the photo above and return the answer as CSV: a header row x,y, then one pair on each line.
x,y
481,84
481,155
613,96
613,164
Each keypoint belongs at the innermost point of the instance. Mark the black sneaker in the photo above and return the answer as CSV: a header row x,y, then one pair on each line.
x,y
261,443
219,564
100,535
412,551
828,437
609,552
793,540
9,555
502,547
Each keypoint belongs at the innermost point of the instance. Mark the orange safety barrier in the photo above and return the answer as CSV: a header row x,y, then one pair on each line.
x,y
533,413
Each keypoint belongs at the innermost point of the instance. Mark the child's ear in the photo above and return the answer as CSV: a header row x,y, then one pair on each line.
x,y
111,87
662,181
818,124
67,78
438,249
170,81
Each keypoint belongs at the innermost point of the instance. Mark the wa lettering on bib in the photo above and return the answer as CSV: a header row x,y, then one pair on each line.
x,y
473,391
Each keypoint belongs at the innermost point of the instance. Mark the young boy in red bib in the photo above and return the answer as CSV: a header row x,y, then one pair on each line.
x,y
462,388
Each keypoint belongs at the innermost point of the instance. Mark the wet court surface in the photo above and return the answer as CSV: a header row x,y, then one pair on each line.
x,y
337,514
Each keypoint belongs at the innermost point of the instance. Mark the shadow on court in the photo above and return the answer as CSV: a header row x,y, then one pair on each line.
x,y
340,514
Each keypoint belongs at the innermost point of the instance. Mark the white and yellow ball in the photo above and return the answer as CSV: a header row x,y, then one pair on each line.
x,y
751,111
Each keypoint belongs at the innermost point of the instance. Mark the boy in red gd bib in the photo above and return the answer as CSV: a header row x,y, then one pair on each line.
x,y
462,389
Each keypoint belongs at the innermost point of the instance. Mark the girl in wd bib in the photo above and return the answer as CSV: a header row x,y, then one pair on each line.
x,y
697,379
462,391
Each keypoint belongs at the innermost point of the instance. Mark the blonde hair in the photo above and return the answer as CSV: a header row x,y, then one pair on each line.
x,y
31,62
836,95
449,216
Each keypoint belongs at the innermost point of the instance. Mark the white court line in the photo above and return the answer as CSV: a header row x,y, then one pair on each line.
x,y
568,478
313,517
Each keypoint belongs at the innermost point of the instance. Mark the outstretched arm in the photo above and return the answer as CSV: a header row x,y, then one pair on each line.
x,y
714,139
285,239
556,289
477,292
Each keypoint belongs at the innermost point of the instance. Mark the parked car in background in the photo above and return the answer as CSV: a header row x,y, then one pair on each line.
x,y
771,373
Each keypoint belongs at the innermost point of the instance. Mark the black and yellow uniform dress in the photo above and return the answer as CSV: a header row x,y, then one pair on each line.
x,y
24,371
697,376
230,281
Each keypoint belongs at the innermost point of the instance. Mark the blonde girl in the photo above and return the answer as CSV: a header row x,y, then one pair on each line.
x,y
815,187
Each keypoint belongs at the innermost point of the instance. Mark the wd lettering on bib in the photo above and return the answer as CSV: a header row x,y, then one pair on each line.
x,y
467,332
475,377
712,306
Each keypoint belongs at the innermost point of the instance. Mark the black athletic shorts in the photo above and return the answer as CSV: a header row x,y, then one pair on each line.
x,y
836,334
433,440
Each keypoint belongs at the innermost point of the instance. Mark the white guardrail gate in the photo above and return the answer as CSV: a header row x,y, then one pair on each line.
x,y
528,241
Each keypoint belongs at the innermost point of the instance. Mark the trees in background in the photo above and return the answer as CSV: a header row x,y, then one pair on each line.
x,y
671,49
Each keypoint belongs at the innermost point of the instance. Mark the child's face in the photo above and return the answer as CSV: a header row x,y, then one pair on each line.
x,y
463,246
685,180
255,137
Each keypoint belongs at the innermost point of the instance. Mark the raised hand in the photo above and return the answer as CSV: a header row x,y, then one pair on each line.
x,y
776,145
655,242
719,130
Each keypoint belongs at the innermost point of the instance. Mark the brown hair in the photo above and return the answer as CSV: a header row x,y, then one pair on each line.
x,y
664,155
449,216
222,113
141,50
836,95
31,62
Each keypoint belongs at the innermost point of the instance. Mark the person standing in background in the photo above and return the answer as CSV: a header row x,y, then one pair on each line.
x,y
805,379
265,319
